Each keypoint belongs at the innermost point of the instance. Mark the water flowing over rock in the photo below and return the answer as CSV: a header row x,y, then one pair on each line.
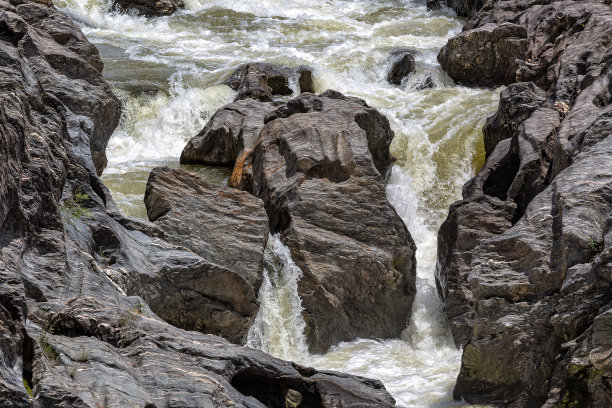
x,y
320,165
226,227
70,263
149,8
525,259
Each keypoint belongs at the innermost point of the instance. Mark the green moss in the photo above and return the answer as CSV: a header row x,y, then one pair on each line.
x,y
47,348
28,388
74,208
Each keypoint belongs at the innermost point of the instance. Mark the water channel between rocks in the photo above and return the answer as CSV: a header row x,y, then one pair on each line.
x,y
167,72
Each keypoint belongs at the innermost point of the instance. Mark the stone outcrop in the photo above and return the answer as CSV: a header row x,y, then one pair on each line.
x,y
525,258
261,80
229,230
488,55
402,65
464,8
68,68
231,130
148,8
70,264
320,165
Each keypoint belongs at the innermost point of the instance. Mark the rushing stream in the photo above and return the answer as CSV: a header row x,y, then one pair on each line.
x,y
167,72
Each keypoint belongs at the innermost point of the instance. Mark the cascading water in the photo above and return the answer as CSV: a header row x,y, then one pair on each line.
x,y
167,72
279,327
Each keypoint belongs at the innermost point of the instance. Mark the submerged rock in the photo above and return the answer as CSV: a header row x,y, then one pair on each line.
x,y
228,229
525,258
320,165
402,65
70,264
149,8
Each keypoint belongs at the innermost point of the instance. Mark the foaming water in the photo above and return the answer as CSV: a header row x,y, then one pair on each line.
x,y
279,327
167,73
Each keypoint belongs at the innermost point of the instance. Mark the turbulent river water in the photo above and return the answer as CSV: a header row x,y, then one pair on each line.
x,y
167,72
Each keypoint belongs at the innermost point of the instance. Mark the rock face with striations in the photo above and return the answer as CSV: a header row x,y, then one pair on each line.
x,y
226,227
70,263
525,259
320,165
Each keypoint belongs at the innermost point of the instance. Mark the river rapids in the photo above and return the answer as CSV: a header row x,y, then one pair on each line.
x,y
167,73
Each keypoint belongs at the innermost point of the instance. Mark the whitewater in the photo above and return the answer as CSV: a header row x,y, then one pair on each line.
x,y
169,71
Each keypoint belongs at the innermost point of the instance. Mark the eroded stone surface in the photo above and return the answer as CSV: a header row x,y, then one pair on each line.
x,y
320,166
70,263
525,259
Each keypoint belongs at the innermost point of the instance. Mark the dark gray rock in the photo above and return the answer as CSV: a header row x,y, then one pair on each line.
x,y
402,64
320,165
231,130
227,228
485,56
516,104
464,8
69,263
305,80
68,69
527,283
148,8
276,78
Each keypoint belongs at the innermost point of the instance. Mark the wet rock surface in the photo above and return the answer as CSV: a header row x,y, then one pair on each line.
x,y
525,258
402,65
71,265
262,80
148,8
320,165
488,55
228,229
232,129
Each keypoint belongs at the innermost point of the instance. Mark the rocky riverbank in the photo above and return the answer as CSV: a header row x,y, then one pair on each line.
x,y
525,259
83,289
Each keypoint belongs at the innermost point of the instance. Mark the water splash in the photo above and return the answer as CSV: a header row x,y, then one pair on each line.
x,y
279,327
168,70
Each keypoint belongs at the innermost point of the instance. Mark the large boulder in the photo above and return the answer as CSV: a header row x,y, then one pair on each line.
x,y
275,77
262,80
402,64
231,130
70,327
148,8
320,166
68,69
229,229
485,56
524,259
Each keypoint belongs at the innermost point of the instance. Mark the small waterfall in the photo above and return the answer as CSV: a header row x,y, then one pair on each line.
x,y
279,327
